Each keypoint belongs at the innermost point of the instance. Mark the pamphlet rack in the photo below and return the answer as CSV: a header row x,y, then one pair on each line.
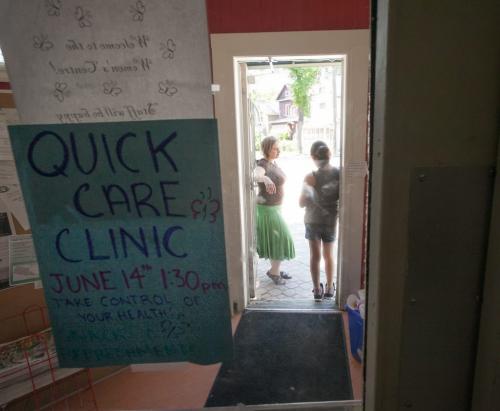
x,y
30,377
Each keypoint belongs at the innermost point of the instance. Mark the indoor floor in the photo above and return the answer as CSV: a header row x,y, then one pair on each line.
x,y
178,386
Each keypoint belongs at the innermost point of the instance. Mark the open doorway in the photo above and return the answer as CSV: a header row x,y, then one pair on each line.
x,y
227,50
269,107
232,55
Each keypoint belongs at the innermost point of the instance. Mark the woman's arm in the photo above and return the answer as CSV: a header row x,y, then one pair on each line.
x,y
307,194
260,176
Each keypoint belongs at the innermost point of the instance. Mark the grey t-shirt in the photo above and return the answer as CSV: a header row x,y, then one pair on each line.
x,y
323,206
278,177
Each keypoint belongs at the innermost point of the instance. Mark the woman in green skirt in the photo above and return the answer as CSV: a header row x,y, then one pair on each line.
x,y
274,241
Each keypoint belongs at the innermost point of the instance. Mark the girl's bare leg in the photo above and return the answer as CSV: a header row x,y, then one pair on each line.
x,y
328,257
314,260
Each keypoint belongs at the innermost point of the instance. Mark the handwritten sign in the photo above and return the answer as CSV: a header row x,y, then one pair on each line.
x,y
128,230
80,61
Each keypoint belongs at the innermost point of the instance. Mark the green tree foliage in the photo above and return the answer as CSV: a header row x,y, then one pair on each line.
x,y
303,78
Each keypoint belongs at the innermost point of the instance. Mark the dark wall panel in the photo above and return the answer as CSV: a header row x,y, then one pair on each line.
x,y
448,228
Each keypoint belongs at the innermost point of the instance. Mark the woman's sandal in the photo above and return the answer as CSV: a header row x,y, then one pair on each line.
x,y
318,293
329,292
285,275
277,279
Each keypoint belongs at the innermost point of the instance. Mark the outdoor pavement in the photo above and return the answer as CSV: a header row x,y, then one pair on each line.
x,y
300,286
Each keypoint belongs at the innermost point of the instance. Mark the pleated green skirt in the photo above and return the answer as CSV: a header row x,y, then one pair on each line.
x,y
274,240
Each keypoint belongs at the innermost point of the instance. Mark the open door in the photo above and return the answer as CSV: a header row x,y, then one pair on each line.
x,y
246,125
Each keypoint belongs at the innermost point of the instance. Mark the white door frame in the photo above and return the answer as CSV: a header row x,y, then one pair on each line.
x,y
226,49
247,141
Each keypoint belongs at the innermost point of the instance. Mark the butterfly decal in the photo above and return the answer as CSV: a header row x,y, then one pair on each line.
x,y
60,91
205,207
111,88
168,49
41,42
53,7
166,87
83,17
138,11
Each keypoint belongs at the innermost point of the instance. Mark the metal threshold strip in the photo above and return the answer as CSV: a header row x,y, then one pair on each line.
x,y
297,305
297,310
351,405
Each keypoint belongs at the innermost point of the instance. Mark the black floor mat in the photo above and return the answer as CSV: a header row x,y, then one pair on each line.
x,y
283,357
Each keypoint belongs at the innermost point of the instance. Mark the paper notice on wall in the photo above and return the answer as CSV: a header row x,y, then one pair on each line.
x,y
7,116
12,197
10,192
96,61
4,261
23,264
4,221
8,174
5,148
357,169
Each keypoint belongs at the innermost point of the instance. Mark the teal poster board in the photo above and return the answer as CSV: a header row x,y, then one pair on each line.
x,y
129,236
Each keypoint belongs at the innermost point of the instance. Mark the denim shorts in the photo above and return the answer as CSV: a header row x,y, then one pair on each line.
x,y
324,232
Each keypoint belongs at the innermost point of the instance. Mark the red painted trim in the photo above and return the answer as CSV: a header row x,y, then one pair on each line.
x,y
252,16
4,85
